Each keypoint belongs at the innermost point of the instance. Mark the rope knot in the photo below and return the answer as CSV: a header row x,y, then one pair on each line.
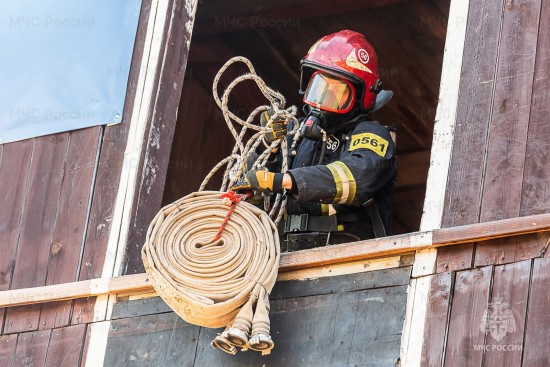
x,y
230,198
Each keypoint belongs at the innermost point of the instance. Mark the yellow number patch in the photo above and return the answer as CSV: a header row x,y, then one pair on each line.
x,y
369,141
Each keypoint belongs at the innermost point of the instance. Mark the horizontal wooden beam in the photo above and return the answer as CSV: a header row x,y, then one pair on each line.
x,y
491,230
74,290
318,257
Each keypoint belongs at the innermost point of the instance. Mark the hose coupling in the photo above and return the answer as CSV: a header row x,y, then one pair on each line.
x,y
224,344
237,337
261,343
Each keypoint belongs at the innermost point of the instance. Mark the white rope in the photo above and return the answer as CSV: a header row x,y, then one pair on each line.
x,y
240,152
215,265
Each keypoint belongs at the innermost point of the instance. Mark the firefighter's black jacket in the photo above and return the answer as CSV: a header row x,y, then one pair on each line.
x,y
359,164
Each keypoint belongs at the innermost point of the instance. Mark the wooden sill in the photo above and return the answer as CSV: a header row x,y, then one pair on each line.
x,y
300,260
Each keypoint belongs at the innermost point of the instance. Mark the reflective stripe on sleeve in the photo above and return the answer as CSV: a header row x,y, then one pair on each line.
x,y
327,209
345,183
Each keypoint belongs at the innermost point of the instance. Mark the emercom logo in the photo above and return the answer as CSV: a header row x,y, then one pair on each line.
x,y
498,320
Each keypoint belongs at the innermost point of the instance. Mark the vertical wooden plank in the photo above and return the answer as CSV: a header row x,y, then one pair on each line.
x,y
8,344
86,346
462,199
537,338
65,346
110,164
507,139
109,170
37,225
496,251
437,314
531,246
535,194
71,221
508,307
454,258
154,162
463,192
103,201
14,172
83,310
507,250
470,300
32,348
511,107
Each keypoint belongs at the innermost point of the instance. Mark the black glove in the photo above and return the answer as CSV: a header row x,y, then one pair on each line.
x,y
278,127
260,180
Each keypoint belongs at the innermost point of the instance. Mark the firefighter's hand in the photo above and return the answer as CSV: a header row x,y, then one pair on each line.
x,y
260,180
278,127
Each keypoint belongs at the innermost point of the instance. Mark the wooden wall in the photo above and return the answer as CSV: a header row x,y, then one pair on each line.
x,y
501,151
499,169
57,196
347,320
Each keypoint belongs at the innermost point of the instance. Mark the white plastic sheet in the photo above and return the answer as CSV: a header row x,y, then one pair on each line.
x,y
64,64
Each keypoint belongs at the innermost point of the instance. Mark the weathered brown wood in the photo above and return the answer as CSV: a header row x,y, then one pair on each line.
x,y
535,194
507,138
71,220
110,165
83,310
139,307
354,251
39,217
490,230
495,251
298,260
303,259
453,258
462,197
342,283
531,246
162,122
7,350
81,289
470,300
14,170
509,292
113,145
32,348
437,317
65,347
152,340
86,347
507,250
537,338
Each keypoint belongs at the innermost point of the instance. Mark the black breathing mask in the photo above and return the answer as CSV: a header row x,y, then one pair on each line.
x,y
312,128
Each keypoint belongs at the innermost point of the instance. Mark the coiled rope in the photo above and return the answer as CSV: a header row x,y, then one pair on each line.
x,y
211,256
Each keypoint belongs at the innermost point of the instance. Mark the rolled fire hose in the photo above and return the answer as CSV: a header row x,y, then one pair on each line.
x,y
216,272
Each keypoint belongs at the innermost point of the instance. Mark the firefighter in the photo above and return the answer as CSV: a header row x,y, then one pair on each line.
x,y
342,171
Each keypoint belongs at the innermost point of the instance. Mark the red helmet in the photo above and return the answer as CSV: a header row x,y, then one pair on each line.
x,y
348,55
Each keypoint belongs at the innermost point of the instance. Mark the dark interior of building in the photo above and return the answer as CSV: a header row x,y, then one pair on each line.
x,y
408,36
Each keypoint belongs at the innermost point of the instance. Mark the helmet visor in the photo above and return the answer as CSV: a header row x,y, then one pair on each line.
x,y
329,93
